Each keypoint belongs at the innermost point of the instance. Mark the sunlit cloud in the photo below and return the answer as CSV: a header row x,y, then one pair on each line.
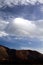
x,y
25,28
21,27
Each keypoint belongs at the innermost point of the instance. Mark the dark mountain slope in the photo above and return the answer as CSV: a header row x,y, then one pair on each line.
x,y
19,56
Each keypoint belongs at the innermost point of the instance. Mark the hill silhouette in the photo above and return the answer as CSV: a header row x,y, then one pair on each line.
x,y
19,56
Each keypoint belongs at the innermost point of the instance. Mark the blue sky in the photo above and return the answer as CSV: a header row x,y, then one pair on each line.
x,y
21,24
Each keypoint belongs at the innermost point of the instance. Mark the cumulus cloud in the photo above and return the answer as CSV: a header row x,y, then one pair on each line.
x,y
41,1
24,28
11,3
21,27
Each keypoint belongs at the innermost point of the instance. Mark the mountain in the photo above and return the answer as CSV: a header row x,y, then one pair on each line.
x,y
19,56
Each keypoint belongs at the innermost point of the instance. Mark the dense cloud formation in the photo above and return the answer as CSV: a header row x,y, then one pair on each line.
x,y
22,27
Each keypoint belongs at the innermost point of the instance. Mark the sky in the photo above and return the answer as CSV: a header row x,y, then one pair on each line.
x,y
21,24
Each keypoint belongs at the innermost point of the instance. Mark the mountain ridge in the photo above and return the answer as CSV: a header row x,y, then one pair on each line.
x,y
19,56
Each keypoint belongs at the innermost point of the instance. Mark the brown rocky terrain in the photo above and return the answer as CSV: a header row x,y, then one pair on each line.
x,y
19,56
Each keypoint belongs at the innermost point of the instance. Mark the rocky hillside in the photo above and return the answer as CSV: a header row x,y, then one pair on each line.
x,y
19,56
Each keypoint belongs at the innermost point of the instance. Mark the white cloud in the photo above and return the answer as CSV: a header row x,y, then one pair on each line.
x,y
24,28
3,25
11,3
21,27
41,1
2,33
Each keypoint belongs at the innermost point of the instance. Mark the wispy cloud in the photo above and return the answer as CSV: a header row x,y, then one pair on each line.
x,y
3,25
11,3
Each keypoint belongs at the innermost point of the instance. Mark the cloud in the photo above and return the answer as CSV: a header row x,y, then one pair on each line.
x,y
11,3
3,25
41,1
21,27
2,33
24,28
